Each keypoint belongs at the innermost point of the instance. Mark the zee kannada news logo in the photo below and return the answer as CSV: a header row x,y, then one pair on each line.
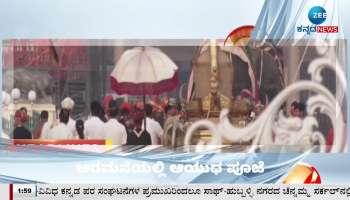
x,y
317,15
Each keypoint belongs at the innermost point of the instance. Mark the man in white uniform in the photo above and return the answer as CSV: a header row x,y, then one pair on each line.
x,y
94,126
113,129
68,104
46,128
153,127
61,131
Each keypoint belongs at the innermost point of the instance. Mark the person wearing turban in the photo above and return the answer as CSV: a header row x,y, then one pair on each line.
x,y
124,115
21,132
68,104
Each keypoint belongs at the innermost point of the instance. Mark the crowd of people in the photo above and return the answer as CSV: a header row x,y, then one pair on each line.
x,y
120,122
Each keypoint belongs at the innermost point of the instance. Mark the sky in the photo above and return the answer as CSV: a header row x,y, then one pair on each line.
x,y
124,19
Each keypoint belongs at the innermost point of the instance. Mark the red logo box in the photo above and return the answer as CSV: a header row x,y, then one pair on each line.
x,y
327,29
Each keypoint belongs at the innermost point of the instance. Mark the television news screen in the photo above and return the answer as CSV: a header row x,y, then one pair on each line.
x,y
174,99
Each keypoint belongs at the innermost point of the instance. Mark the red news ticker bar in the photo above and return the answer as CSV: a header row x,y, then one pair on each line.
x,y
58,142
327,29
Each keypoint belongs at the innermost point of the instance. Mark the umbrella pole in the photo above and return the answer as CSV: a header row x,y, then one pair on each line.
x,y
144,110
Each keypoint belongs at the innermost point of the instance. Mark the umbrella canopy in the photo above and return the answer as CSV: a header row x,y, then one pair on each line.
x,y
144,71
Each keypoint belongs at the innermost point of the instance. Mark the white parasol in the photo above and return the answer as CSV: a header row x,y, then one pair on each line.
x,y
144,71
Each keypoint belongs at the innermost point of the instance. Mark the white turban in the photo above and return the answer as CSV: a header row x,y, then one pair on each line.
x,y
67,103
